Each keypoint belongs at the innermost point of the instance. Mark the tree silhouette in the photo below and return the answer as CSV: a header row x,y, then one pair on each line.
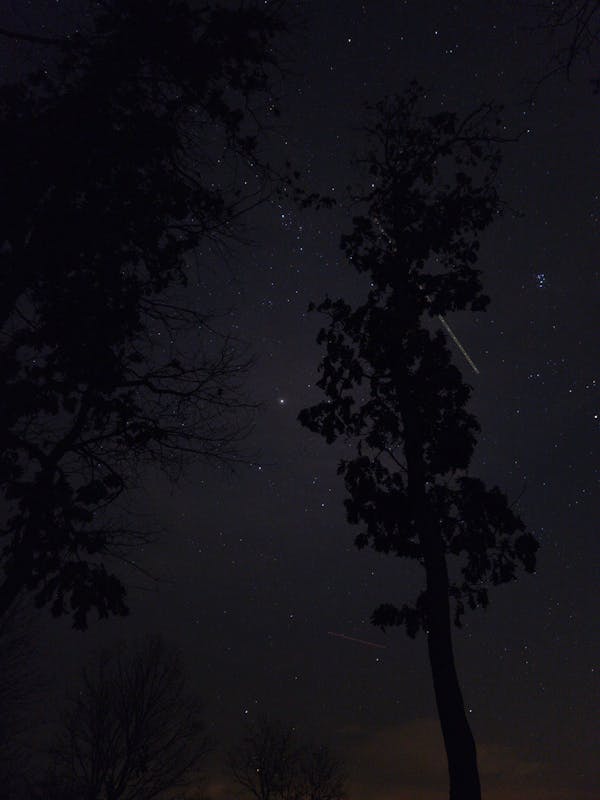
x,y
392,390
137,142
321,773
130,732
269,763
263,762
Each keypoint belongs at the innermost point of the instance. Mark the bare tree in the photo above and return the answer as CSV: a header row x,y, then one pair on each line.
x,y
322,774
263,761
270,764
131,732
573,28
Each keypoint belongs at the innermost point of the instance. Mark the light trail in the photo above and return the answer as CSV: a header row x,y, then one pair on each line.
x,y
360,641
468,358
447,327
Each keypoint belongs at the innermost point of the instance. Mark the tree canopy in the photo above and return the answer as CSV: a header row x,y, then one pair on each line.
x,y
391,386
137,141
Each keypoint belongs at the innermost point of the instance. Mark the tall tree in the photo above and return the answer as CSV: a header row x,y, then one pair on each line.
x,y
136,143
131,732
392,390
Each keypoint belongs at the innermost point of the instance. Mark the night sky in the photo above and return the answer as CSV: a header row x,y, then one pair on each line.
x,y
258,566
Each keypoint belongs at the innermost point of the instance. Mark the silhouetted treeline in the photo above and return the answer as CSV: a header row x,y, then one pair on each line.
x,y
132,730
137,142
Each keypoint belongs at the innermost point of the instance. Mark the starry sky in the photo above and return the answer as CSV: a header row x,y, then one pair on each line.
x,y
257,566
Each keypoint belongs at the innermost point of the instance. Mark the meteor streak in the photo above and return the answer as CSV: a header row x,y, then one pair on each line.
x,y
360,641
468,358
449,330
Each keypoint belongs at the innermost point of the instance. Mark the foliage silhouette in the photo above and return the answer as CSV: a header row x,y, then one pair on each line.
x,y
392,390
269,763
130,732
140,143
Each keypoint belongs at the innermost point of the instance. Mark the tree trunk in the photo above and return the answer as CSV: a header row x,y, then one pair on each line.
x,y
458,739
